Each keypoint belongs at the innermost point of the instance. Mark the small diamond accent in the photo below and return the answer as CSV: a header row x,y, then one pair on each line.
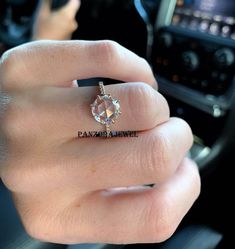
x,y
105,109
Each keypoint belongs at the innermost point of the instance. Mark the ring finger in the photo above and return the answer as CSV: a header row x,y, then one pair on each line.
x,y
55,114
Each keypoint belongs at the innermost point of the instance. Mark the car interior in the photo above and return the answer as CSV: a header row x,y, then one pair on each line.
x,y
190,45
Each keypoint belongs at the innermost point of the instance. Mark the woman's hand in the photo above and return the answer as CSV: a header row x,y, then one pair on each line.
x,y
56,24
72,190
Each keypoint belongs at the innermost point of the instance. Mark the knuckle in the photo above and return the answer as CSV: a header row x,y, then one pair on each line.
x,y
12,121
5,99
9,68
164,114
162,143
32,230
14,176
142,99
196,180
158,156
51,225
19,118
147,72
6,67
36,228
147,66
39,220
109,53
160,219
74,25
187,131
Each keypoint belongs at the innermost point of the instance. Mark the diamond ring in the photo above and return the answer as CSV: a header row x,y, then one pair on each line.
x,y
105,109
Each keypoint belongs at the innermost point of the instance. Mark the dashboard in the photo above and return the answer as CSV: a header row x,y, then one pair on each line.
x,y
213,16
193,58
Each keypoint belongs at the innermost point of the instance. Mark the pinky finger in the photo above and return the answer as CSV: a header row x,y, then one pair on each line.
x,y
144,216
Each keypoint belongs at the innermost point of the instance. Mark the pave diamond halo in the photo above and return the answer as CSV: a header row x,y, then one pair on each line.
x,y
105,109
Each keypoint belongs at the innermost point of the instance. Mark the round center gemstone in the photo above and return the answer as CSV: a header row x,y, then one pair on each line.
x,y
105,109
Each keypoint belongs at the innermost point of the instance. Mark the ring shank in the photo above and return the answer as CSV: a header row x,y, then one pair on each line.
x,y
102,89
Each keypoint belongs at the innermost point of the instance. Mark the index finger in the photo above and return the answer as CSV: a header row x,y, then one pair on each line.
x,y
52,63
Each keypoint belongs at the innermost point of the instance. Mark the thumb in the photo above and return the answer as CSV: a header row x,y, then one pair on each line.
x,y
45,7
72,7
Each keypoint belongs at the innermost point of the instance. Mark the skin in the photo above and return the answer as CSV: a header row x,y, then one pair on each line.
x,y
70,190
56,24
